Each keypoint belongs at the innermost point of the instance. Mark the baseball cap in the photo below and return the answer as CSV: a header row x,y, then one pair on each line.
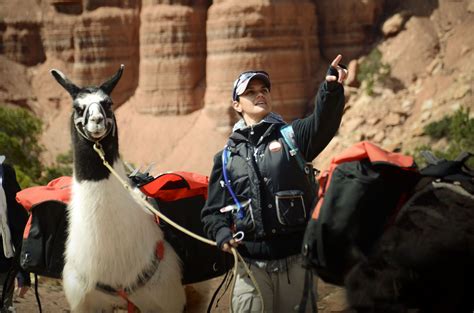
x,y
241,83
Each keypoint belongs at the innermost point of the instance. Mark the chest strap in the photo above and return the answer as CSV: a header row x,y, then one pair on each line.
x,y
141,281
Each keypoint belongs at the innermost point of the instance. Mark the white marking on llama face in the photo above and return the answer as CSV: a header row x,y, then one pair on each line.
x,y
94,114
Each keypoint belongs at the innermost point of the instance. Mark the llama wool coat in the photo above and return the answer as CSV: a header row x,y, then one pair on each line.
x,y
261,169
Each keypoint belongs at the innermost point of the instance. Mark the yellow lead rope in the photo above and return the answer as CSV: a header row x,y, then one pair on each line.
x,y
235,253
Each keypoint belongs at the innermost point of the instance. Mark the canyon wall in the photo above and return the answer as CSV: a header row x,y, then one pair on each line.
x,y
276,36
183,55
172,58
347,26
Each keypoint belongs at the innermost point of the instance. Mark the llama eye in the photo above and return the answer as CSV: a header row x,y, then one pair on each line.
x,y
79,110
107,104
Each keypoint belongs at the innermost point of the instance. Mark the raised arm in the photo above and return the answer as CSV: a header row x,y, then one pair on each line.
x,y
313,133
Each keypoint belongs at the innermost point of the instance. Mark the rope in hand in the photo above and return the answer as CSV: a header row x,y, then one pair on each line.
x,y
237,257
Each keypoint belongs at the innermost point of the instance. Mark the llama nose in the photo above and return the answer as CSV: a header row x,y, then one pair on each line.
x,y
97,119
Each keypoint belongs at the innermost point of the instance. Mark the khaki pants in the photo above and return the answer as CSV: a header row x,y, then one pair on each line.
x,y
281,288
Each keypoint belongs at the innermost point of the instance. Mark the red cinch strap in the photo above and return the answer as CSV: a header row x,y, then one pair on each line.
x,y
130,305
160,250
160,253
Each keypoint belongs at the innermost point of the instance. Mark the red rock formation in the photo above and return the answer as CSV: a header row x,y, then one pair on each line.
x,y
20,38
408,64
172,58
346,26
277,36
22,43
90,5
104,39
58,37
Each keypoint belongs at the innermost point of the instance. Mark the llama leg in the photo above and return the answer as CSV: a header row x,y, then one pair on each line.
x,y
83,300
74,289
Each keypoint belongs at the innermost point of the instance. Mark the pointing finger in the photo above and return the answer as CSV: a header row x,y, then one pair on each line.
x,y
336,61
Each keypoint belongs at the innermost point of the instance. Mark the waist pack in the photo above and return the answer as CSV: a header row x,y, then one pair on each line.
x,y
45,233
358,196
180,196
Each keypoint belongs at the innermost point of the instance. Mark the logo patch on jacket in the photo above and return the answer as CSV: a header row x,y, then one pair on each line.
x,y
274,146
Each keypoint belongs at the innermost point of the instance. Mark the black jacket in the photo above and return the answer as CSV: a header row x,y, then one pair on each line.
x,y
17,218
261,169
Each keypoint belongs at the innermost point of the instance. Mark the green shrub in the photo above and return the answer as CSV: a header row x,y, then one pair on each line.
x,y
19,135
458,129
372,70
62,167
20,132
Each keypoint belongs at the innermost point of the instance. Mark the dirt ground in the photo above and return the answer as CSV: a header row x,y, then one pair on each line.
x,y
331,298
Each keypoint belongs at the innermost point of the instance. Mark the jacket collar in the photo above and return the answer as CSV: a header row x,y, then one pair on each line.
x,y
271,118
240,130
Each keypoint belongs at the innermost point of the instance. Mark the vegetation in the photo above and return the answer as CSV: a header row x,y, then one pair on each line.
x,y
19,142
457,129
372,70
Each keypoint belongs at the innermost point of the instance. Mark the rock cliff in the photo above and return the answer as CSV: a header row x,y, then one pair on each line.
x,y
183,55
104,39
278,36
347,26
172,58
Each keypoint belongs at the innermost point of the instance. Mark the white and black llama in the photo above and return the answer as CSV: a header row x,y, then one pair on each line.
x,y
115,254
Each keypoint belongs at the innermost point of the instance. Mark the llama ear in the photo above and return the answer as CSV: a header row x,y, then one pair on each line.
x,y
65,82
109,85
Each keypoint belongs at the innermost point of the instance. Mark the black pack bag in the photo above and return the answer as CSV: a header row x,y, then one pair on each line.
x,y
423,261
45,233
358,196
44,240
180,196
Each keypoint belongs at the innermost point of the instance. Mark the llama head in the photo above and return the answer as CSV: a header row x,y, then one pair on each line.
x,y
92,116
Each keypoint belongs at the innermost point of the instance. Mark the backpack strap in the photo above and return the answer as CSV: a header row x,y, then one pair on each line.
x,y
449,170
289,136
227,183
308,290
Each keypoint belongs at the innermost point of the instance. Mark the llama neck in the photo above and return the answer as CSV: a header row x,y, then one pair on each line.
x,y
87,163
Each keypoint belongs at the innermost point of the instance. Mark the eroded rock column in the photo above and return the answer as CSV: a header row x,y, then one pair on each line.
x,y
172,57
20,33
347,26
277,36
104,39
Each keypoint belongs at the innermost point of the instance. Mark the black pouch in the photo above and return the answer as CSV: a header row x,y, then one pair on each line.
x,y
290,208
42,251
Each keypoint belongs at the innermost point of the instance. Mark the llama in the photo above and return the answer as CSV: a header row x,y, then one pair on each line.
x,y
115,253
424,262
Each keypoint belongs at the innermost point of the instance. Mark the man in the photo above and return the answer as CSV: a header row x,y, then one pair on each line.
x,y
261,194
12,222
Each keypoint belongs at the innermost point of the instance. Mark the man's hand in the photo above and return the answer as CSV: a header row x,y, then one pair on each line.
x,y
231,244
342,72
